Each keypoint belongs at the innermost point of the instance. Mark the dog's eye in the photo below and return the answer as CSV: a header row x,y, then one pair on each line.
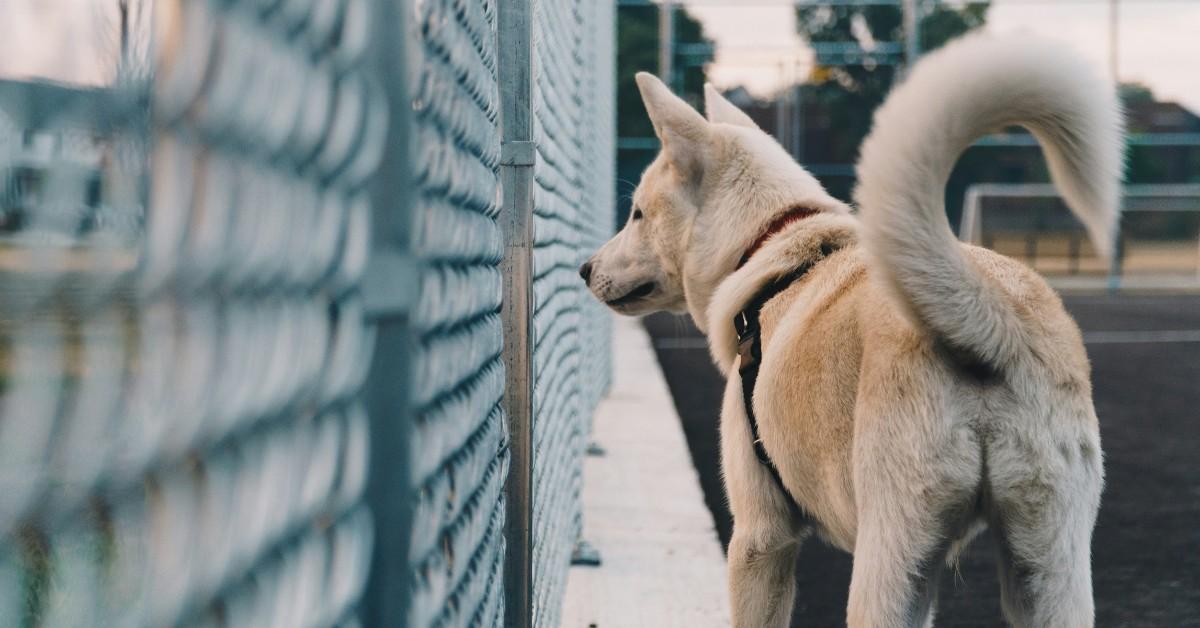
x,y
637,214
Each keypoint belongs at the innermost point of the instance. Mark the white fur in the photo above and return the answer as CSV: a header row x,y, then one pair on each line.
x,y
722,111
713,189
791,247
880,435
971,86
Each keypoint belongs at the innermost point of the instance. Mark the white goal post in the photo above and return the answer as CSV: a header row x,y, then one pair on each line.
x,y
971,224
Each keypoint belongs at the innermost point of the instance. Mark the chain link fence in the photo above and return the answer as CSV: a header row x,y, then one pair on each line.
x,y
252,344
573,198
183,334
459,459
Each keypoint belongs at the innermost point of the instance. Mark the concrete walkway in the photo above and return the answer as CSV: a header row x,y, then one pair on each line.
x,y
644,511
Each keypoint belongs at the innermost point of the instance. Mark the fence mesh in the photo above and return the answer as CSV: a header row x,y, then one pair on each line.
x,y
573,130
181,250
598,204
458,449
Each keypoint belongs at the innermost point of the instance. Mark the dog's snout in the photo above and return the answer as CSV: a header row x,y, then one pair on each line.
x,y
585,271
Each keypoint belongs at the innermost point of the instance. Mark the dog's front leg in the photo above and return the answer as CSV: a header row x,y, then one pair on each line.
x,y
762,552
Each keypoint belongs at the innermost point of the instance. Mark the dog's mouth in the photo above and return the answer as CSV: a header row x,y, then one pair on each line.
x,y
636,294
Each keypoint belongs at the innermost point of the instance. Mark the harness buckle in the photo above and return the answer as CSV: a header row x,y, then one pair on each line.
x,y
741,323
746,354
747,334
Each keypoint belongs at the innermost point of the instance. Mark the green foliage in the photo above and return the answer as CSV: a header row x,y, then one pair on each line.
x,y
1157,164
944,23
1135,93
637,51
849,94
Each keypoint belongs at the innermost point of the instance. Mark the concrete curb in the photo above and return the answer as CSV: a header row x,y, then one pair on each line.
x,y
643,509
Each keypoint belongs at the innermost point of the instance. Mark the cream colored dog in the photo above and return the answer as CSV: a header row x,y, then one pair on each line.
x,y
913,390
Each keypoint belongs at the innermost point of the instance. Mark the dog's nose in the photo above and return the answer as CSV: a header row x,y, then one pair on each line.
x,y
585,271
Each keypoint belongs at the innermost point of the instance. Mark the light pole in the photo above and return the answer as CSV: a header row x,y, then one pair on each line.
x,y
666,41
912,33
1113,30
797,111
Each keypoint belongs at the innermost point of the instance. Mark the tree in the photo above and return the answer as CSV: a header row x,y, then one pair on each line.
x,y
637,51
849,94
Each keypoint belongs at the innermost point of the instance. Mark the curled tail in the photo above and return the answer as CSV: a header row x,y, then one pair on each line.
x,y
970,87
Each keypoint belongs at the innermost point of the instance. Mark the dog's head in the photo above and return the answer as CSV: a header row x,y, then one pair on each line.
x,y
712,188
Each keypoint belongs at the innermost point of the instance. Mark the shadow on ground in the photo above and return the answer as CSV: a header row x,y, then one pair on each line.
x,y
1147,392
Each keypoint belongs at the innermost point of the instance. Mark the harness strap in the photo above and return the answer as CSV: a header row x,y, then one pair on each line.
x,y
749,334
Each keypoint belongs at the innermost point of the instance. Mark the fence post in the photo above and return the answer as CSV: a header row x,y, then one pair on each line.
x,y
389,286
912,33
517,157
666,42
1117,263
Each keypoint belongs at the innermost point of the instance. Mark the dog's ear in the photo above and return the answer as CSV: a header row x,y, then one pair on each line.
x,y
684,133
720,110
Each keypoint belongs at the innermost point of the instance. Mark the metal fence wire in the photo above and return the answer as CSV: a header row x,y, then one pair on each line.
x,y
573,203
251,330
459,458
183,334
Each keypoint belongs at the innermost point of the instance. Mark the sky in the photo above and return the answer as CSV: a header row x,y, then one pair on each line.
x,y
71,41
757,45
1158,40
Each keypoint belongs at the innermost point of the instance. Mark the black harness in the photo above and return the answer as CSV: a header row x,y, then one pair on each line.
x,y
749,335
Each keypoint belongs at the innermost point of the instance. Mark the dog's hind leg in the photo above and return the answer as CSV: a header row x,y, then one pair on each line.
x,y
1045,492
916,488
899,558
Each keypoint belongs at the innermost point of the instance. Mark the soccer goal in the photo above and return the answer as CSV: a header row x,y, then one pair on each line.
x,y
1158,242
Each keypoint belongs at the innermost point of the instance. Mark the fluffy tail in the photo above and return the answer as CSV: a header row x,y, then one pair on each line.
x,y
968,88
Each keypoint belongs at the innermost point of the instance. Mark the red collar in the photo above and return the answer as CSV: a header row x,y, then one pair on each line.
x,y
793,214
